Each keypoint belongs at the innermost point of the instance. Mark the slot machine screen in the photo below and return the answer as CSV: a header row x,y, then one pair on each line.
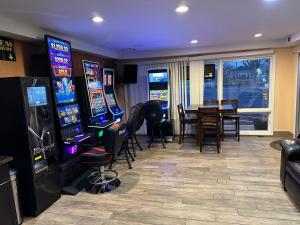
x,y
61,67
36,96
109,79
161,77
68,115
94,88
161,95
111,100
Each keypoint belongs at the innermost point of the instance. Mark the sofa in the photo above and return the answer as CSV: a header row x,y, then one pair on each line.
x,y
290,168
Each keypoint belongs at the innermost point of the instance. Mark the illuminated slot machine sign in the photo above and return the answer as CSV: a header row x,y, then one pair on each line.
x,y
63,82
158,86
61,67
94,88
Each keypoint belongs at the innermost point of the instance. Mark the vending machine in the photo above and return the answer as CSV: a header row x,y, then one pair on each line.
x,y
27,134
108,78
159,89
95,112
71,138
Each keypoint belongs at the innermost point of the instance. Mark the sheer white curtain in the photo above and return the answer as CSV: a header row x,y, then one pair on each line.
x,y
138,92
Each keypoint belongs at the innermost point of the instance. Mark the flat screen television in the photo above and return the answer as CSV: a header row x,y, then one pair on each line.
x,y
36,96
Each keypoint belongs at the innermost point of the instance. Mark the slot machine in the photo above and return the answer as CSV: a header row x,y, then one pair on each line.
x,y
27,134
108,79
96,114
71,138
159,89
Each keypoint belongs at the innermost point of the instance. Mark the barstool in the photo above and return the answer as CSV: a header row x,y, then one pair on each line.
x,y
104,180
231,116
183,121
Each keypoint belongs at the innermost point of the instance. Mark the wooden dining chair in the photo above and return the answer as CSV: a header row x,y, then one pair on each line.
x,y
209,122
183,121
231,116
211,102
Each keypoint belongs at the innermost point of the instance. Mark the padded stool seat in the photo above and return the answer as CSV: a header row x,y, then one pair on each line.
x,y
104,180
96,156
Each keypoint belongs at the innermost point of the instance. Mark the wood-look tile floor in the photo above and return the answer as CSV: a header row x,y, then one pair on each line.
x,y
178,185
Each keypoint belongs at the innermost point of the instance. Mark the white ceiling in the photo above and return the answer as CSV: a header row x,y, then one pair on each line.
x,y
153,25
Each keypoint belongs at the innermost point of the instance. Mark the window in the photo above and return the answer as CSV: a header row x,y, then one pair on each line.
x,y
247,81
188,87
210,82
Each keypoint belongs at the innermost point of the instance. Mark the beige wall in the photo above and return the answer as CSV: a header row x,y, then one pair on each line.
x,y
285,83
285,89
17,68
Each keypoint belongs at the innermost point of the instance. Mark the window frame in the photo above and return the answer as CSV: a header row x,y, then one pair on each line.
x,y
269,109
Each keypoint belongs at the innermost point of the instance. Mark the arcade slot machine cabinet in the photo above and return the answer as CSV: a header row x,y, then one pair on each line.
x,y
108,79
71,138
27,134
159,89
95,113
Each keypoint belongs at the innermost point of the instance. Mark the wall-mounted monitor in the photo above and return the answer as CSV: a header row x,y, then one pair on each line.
x,y
37,96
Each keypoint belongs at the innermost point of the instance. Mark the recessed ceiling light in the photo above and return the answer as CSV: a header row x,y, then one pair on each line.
x,y
257,35
97,19
194,42
182,9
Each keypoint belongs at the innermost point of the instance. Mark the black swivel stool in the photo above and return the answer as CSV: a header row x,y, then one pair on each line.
x,y
99,157
154,116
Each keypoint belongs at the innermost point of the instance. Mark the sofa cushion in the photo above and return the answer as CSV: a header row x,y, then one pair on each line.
x,y
292,149
293,168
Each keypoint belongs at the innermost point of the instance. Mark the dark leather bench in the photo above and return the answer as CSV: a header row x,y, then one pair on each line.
x,y
290,168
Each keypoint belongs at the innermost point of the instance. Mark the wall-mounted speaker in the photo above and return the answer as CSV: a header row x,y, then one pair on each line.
x,y
130,74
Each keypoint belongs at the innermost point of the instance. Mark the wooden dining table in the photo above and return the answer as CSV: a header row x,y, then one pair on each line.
x,y
222,108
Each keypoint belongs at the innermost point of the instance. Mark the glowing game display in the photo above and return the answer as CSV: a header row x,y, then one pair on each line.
x,y
94,88
36,96
111,100
68,115
61,67
161,77
161,95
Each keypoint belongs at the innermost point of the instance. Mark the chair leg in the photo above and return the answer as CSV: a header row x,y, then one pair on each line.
x,y
138,143
183,131
129,153
162,138
238,128
151,138
218,140
132,145
127,158
180,133
223,130
201,139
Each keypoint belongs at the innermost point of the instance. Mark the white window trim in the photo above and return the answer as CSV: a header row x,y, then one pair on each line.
x,y
221,58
